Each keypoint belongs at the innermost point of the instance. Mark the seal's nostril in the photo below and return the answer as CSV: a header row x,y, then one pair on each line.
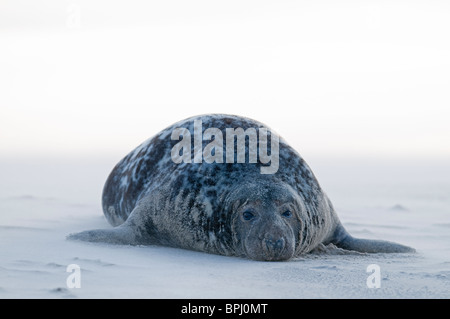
x,y
279,244
275,246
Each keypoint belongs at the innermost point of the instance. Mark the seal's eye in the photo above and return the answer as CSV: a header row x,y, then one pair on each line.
x,y
248,215
287,214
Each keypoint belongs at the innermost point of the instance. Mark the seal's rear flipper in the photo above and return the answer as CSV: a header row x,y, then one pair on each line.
x,y
118,235
344,240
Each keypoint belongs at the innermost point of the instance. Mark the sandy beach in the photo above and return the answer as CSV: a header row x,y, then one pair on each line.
x,y
43,201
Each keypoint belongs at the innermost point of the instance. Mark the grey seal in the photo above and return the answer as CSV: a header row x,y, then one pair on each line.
x,y
226,207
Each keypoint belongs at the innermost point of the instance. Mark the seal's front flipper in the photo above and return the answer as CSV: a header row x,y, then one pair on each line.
x,y
372,246
118,235
344,240
136,230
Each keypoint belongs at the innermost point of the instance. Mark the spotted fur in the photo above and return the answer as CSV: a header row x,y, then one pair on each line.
x,y
190,205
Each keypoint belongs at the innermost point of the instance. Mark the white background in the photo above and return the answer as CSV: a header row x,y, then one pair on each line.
x,y
334,78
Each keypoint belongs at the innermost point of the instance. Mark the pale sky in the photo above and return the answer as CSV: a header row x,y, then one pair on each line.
x,y
334,78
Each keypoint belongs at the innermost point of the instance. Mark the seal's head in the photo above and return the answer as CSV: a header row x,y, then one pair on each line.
x,y
266,221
